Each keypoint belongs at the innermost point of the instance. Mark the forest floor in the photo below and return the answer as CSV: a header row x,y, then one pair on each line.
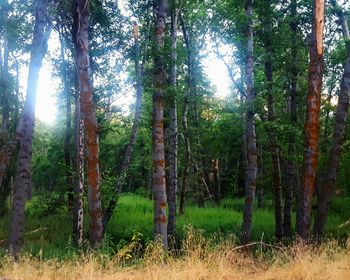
x,y
296,262
208,247
49,235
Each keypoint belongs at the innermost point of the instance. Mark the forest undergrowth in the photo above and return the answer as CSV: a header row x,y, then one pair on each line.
x,y
198,258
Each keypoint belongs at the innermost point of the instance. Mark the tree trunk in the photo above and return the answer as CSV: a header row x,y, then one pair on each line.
x,y
78,210
159,187
81,40
68,136
291,168
5,92
276,168
327,189
252,152
129,150
187,159
173,130
312,123
22,182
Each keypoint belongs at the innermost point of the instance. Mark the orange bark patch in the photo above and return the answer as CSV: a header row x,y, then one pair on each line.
x,y
160,162
319,18
162,219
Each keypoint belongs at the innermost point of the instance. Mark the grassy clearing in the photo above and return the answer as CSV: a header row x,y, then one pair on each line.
x,y
135,214
49,236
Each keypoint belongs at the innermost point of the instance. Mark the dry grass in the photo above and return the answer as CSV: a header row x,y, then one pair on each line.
x,y
197,262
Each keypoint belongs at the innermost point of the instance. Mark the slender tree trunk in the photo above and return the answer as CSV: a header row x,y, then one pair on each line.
x,y
22,184
78,210
81,40
159,187
252,152
129,150
187,159
276,168
312,123
68,136
327,189
291,168
173,130
5,92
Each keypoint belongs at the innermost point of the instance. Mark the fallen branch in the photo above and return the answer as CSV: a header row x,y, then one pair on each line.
x,y
257,243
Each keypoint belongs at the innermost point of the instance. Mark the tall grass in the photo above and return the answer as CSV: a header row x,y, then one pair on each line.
x,y
198,260
49,236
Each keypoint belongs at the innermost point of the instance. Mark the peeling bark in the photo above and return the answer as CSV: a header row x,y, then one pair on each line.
x,y
158,182
312,122
252,153
22,184
81,41
327,190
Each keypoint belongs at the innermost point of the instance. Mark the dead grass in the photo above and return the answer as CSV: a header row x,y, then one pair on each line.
x,y
197,261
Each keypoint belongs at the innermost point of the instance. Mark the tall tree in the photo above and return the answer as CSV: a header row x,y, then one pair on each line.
x,y
173,128
81,18
291,169
22,184
276,169
78,210
158,177
252,152
130,148
312,122
68,136
327,189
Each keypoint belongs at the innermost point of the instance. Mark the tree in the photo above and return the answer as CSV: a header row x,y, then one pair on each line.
x,y
173,128
276,169
80,29
22,184
312,122
68,136
129,150
291,174
327,189
158,177
78,210
252,152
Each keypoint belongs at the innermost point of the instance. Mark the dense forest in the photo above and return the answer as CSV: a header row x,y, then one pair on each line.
x,y
148,163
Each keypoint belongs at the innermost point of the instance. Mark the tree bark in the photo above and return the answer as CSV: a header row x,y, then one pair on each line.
x,y
158,182
173,129
312,122
327,189
129,150
22,182
291,168
81,40
5,91
68,136
252,152
78,210
187,159
276,168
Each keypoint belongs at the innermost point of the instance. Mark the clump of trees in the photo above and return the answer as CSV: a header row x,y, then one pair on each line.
x,y
182,143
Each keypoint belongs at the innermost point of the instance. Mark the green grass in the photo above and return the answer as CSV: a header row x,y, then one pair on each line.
x,y
135,214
